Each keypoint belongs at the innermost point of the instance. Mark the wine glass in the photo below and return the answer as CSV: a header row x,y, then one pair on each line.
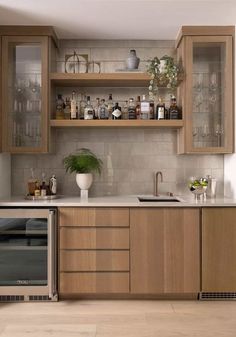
x,y
219,131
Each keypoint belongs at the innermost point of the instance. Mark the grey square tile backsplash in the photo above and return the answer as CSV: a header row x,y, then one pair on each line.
x,y
130,158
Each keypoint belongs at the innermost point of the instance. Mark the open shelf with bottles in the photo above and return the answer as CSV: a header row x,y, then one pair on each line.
x,y
118,123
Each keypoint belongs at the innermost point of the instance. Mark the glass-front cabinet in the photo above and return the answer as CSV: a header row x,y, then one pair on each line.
x,y
25,93
207,95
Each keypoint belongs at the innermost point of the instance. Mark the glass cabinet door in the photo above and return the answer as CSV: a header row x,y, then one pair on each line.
x,y
209,102
25,87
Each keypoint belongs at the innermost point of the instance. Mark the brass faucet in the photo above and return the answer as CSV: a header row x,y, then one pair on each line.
x,y
156,181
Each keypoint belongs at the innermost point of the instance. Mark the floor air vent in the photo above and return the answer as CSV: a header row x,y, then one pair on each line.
x,y
217,296
39,298
11,298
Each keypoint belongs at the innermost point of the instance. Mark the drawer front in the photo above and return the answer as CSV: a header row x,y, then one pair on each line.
x,y
111,260
94,283
94,238
95,217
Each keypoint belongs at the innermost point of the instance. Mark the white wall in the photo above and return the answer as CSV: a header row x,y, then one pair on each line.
x,y
230,166
5,175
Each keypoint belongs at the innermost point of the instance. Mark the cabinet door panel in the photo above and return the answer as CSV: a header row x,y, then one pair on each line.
x,y
99,217
164,250
94,283
25,93
218,250
94,238
98,260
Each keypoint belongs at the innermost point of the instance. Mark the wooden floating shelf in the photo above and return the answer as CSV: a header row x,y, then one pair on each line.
x,y
176,124
101,80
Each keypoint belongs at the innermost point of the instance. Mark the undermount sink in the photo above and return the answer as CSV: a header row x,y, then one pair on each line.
x,y
159,198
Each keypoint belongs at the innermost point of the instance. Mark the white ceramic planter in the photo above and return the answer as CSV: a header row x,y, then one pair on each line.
x,y
84,180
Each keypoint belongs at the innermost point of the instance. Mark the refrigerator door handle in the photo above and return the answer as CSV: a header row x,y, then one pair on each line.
x,y
51,253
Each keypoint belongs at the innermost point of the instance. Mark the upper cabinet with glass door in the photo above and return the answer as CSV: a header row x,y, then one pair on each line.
x,y
207,92
25,89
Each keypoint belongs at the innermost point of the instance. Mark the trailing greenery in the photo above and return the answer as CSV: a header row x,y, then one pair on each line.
x,y
168,77
83,161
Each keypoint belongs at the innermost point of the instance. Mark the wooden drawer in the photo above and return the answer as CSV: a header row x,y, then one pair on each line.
x,y
94,238
96,217
94,283
85,260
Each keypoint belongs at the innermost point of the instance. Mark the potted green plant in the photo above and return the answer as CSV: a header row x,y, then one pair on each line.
x,y
164,72
84,163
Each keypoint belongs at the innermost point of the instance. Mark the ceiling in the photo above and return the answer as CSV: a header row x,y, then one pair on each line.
x,y
117,19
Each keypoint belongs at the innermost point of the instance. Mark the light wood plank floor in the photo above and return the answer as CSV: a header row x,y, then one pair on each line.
x,y
116,318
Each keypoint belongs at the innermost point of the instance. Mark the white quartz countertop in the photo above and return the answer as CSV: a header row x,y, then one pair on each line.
x,y
116,201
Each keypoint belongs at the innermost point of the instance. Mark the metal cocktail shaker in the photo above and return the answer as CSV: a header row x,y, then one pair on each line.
x,y
211,188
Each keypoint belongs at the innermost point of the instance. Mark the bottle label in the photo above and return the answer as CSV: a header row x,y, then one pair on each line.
x,y
160,112
88,113
103,113
145,107
132,113
116,113
174,114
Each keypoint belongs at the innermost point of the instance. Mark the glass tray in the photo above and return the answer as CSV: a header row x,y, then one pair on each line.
x,y
46,197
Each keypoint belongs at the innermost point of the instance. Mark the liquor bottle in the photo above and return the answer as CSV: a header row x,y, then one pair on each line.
x,y
144,108
174,111
138,109
110,106
160,110
131,109
125,112
96,108
67,109
60,107
32,183
152,108
73,114
88,110
43,186
116,113
103,111
82,104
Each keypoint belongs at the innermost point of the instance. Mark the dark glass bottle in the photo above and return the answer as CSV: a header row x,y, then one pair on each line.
x,y
116,113
174,111
131,109
138,108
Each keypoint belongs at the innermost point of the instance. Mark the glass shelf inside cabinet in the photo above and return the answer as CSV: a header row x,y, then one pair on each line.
x,y
25,94
208,95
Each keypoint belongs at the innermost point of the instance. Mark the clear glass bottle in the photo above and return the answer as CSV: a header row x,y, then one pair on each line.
x,y
67,108
131,109
82,106
125,112
144,108
73,111
103,110
110,106
60,107
116,113
88,110
138,109
160,110
96,108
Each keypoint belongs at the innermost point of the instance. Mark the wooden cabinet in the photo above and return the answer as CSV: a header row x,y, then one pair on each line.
x,y
25,68
94,251
218,249
164,250
206,93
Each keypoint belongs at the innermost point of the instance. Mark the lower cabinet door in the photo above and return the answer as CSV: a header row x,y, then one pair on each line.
x,y
164,250
218,249
94,283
